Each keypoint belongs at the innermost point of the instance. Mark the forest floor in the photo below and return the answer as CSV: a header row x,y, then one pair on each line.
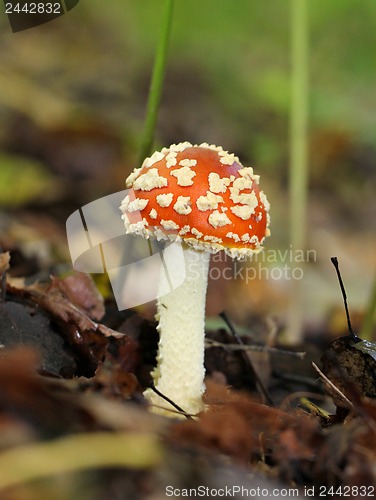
x,y
74,423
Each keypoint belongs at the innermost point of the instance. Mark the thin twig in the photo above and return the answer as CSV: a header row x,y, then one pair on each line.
x,y
353,335
177,407
329,383
256,348
247,360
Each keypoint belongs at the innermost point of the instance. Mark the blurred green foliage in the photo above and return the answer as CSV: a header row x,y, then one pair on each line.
x,y
229,62
243,48
23,180
228,78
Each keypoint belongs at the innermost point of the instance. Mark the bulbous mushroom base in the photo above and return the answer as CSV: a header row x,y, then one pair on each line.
x,y
161,407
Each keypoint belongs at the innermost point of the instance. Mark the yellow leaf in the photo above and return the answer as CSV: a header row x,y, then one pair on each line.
x,y
77,452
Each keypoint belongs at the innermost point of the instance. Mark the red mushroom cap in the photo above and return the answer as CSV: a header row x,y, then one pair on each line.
x,y
200,194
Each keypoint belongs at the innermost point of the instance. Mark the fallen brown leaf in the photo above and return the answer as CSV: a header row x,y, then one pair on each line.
x,y
80,289
87,338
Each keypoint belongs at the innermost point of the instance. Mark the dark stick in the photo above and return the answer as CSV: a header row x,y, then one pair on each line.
x,y
353,335
246,358
153,388
3,283
3,287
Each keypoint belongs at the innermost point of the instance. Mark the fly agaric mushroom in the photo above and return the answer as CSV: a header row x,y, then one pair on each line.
x,y
203,197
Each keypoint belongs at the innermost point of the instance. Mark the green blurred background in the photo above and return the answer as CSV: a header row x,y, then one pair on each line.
x,y
72,105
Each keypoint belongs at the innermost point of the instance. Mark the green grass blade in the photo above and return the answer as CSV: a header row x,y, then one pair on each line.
x,y
298,169
157,79
299,123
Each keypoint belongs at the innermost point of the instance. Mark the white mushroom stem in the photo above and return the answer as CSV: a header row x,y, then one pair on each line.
x,y
180,371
